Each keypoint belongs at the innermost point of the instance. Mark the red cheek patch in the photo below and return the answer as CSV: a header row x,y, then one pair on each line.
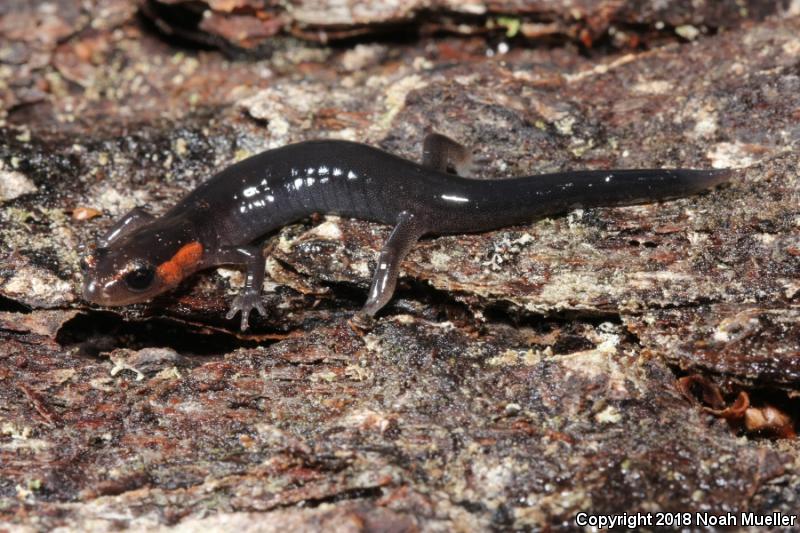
x,y
181,264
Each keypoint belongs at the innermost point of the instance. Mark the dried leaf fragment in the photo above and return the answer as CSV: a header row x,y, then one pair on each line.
x,y
770,421
85,213
766,420
697,387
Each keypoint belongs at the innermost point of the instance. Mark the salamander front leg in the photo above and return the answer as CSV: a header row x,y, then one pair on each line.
x,y
249,297
405,234
442,153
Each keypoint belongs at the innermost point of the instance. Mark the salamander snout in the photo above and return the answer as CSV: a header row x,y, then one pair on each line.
x,y
137,271
110,282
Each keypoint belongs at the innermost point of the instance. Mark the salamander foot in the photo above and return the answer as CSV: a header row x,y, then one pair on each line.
x,y
246,301
362,322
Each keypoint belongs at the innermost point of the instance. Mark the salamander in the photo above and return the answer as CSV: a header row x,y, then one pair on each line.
x,y
224,220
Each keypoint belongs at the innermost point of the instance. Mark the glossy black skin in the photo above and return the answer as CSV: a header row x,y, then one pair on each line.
x,y
245,202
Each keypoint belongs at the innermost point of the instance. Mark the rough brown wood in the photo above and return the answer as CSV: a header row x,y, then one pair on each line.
x,y
585,362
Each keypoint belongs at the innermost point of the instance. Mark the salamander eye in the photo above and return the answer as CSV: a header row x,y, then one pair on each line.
x,y
140,279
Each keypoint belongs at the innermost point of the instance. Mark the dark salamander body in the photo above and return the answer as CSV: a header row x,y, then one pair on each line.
x,y
219,222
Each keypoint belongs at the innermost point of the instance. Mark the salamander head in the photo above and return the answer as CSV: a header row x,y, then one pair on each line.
x,y
140,264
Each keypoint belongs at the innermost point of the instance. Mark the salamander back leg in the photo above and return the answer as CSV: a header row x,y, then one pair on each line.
x,y
442,153
405,234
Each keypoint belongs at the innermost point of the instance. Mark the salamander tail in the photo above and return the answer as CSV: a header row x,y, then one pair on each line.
x,y
715,177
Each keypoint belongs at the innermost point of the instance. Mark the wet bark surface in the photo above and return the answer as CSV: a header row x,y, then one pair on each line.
x,y
609,360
